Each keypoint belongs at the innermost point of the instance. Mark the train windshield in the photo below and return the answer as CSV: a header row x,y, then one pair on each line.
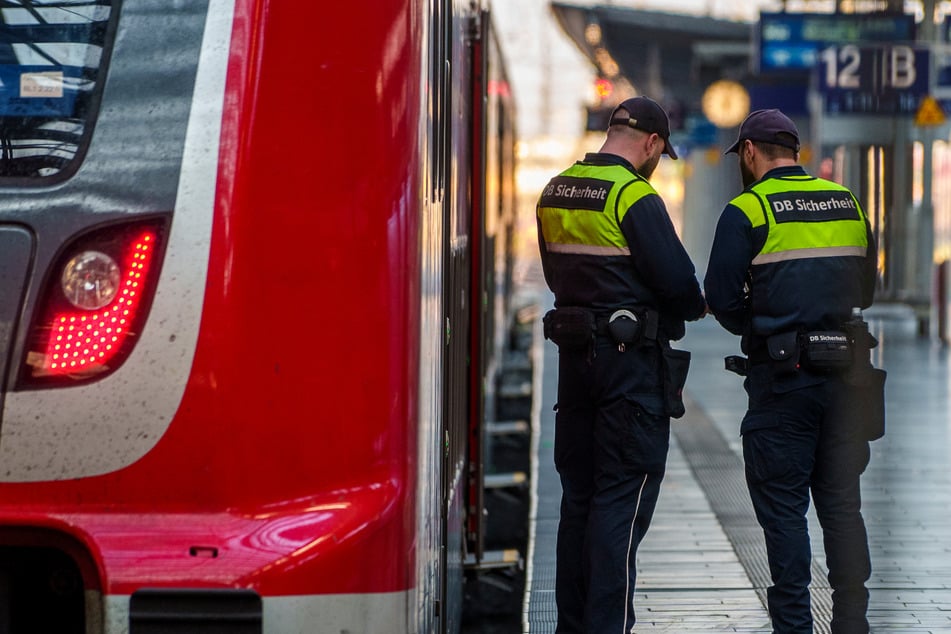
x,y
51,55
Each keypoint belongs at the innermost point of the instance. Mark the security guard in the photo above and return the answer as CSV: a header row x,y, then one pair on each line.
x,y
793,258
623,286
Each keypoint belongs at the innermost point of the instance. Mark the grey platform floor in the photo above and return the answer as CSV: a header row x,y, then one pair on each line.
x,y
702,565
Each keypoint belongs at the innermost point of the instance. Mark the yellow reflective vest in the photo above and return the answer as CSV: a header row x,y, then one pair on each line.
x,y
606,193
607,242
805,217
811,255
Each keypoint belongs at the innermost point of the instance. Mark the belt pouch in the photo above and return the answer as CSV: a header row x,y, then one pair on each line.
x,y
571,328
675,365
826,351
783,352
624,327
866,393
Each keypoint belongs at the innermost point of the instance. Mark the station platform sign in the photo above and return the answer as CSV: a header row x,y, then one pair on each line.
x,y
883,79
791,43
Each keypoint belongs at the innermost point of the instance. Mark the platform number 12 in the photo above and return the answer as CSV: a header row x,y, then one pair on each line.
x,y
892,67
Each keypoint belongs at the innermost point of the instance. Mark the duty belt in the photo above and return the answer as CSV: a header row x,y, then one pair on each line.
x,y
576,327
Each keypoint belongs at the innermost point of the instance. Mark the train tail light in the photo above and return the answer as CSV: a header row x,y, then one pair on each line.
x,y
95,301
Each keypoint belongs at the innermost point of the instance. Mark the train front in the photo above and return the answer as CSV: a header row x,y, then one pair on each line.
x,y
209,269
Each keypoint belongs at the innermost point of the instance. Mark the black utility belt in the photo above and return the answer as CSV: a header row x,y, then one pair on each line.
x,y
818,350
574,327
845,353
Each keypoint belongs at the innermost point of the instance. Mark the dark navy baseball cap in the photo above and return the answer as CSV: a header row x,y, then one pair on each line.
x,y
767,126
645,114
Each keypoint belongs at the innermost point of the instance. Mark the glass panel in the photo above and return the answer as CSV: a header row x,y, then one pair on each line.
x,y
51,52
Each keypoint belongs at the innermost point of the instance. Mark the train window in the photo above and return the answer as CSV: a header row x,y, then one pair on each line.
x,y
52,54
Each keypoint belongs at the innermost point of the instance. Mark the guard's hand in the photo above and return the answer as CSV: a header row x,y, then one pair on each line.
x,y
706,311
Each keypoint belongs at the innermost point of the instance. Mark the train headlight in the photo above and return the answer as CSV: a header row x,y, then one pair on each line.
x,y
91,280
89,314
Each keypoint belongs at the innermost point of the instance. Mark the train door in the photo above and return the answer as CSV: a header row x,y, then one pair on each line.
x,y
464,133
466,304
497,449
447,155
460,246
478,267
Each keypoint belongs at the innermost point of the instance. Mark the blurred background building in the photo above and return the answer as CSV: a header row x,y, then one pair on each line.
x,y
868,82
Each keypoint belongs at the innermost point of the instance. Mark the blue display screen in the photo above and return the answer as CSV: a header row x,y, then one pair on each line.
x,y
878,79
790,42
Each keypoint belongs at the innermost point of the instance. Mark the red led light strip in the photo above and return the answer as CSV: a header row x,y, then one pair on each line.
x,y
81,342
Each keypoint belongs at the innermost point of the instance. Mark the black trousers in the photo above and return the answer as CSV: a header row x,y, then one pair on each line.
x,y
611,442
797,442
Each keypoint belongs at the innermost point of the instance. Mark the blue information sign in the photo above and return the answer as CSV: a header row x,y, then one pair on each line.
x,y
791,42
882,79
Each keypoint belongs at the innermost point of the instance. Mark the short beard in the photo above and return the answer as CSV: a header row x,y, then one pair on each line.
x,y
747,174
646,169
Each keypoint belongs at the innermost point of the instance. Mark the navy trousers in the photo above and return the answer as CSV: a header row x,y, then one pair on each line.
x,y
801,441
611,442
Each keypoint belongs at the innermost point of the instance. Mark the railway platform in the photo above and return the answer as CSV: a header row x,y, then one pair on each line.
x,y
702,566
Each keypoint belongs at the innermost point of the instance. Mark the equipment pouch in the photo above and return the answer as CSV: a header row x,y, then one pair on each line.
x,y
624,326
675,365
826,351
783,352
571,328
866,392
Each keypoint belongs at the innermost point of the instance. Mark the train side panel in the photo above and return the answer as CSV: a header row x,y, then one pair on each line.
x,y
289,422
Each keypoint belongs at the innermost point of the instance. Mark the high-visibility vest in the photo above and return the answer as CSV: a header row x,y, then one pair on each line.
x,y
580,211
808,271
805,217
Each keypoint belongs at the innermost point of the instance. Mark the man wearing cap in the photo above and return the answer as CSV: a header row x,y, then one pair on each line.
x,y
792,256
623,286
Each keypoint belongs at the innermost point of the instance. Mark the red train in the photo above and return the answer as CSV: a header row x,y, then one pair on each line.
x,y
256,269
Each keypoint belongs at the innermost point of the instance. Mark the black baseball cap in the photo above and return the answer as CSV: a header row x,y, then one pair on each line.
x,y
645,114
767,126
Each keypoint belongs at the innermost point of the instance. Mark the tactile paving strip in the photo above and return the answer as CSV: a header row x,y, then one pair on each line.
x,y
720,473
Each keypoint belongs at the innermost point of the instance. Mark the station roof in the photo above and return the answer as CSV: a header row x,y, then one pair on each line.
x,y
670,57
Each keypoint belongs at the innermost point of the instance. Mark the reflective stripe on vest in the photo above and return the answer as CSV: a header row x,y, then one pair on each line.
x,y
582,208
806,217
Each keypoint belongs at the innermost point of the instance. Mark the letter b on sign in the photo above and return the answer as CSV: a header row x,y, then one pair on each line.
x,y
899,69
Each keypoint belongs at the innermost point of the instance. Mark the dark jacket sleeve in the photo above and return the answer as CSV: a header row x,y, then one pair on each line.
x,y
661,260
728,269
